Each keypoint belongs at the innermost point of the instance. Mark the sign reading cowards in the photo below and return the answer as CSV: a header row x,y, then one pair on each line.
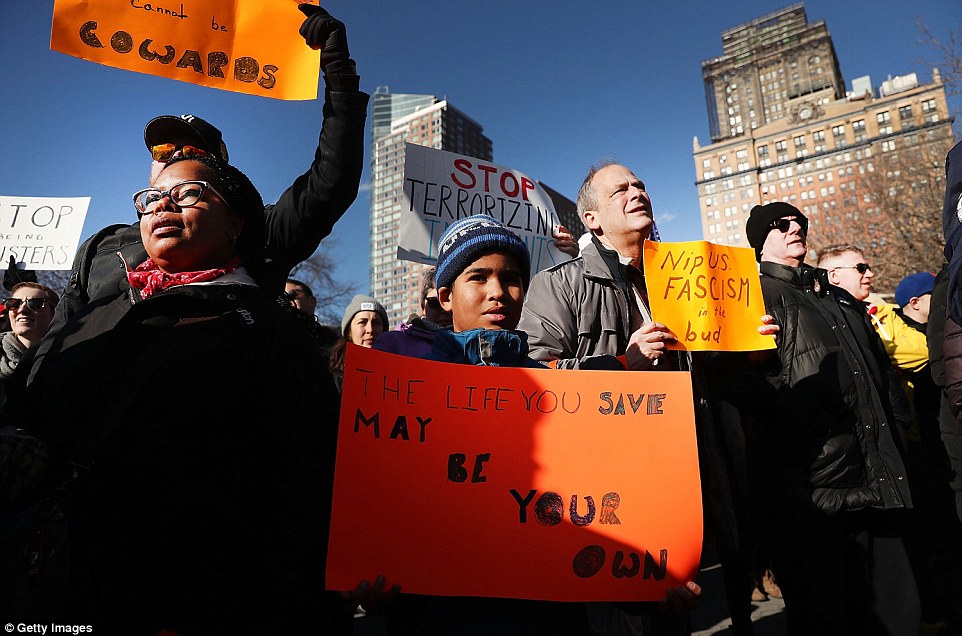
x,y
441,187
708,295
245,46
41,233
458,480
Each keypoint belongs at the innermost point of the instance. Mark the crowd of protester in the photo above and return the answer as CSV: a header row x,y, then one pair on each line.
x,y
170,419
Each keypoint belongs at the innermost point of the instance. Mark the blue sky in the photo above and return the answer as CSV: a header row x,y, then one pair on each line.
x,y
556,85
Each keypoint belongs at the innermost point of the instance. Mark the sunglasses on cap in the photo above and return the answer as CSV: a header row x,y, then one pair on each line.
x,y
165,152
36,304
784,223
861,268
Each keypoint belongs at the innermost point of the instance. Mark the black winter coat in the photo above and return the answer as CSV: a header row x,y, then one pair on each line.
x,y
208,422
820,424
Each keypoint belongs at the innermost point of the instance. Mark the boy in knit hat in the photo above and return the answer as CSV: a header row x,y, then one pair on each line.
x,y
482,273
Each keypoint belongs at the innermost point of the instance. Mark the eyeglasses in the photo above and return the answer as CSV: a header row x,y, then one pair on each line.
x,y
165,152
433,303
36,304
783,224
861,268
185,194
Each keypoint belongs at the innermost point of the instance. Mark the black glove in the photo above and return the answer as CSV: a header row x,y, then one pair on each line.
x,y
14,276
322,31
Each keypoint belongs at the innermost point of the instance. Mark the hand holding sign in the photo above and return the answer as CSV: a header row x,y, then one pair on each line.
x,y
322,31
647,345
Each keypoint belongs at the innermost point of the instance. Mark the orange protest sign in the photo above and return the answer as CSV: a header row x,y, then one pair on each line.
x,y
245,46
708,295
458,480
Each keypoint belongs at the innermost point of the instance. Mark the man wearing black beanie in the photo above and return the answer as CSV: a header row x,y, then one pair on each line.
x,y
823,463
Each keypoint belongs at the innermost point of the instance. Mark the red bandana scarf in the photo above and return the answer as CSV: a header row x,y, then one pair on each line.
x,y
148,278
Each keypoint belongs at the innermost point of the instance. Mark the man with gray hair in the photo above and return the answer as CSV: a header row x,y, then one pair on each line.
x,y
592,312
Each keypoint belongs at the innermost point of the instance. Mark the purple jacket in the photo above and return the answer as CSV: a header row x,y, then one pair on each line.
x,y
413,339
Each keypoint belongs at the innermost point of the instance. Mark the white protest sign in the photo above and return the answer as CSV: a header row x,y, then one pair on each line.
x,y
41,233
441,187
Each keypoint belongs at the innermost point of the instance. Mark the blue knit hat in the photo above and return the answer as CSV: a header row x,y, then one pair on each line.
x,y
466,240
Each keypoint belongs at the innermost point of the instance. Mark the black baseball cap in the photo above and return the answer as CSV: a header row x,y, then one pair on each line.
x,y
201,133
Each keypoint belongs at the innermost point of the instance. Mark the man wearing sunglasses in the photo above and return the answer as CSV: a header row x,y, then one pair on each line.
x,y
294,226
824,468
846,267
415,337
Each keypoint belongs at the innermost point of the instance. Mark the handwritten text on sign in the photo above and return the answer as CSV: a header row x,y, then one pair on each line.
x,y
441,187
245,46
41,233
517,483
708,295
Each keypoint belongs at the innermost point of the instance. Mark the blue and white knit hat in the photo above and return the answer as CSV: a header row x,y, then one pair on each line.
x,y
467,239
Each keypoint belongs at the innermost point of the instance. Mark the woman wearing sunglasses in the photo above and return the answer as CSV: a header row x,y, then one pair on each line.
x,y
29,310
208,422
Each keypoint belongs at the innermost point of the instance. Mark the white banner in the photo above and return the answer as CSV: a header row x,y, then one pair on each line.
x,y
441,187
41,233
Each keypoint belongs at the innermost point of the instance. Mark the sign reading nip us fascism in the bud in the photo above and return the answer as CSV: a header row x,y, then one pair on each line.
x,y
41,233
458,480
441,187
245,46
708,295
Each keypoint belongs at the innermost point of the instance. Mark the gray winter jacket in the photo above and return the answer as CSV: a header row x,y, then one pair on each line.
x,y
577,314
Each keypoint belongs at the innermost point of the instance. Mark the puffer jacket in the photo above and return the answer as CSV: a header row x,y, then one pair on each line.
x,y
819,424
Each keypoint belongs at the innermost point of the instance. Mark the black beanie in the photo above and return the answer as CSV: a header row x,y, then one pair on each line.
x,y
760,222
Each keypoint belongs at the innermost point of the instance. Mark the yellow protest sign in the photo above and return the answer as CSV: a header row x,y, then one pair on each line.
x,y
709,295
245,46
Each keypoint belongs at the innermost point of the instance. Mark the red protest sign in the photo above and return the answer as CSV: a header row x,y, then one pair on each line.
x,y
516,483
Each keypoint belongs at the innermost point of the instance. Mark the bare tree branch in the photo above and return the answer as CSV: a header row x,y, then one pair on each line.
x,y
332,294
892,209
948,49
54,279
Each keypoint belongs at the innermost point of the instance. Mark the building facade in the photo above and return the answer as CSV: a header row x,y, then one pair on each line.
x,y
398,119
858,165
765,65
817,158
